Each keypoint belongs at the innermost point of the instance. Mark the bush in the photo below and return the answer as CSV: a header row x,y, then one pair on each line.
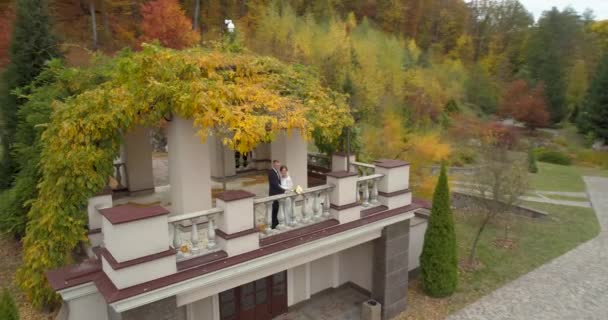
x,y
553,156
593,158
532,168
8,308
438,261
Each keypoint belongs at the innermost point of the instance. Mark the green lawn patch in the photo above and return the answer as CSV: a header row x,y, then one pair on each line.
x,y
537,241
552,177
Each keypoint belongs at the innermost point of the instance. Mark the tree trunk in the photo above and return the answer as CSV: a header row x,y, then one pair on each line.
x,y
196,13
106,20
93,23
477,237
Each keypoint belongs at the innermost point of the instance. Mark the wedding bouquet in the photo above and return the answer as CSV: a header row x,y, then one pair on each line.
x,y
298,190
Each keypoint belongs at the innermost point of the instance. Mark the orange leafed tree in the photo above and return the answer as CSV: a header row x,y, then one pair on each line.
x,y
525,104
165,21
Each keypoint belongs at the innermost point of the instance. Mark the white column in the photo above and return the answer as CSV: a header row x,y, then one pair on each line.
x,y
292,150
138,159
189,168
215,151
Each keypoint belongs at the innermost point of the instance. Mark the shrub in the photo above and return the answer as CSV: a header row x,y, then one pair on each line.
x,y
592,158
553,156
438,261
532,168
8,308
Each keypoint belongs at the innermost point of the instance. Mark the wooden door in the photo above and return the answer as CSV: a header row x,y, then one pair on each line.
x,y
279,293
228,305
262,299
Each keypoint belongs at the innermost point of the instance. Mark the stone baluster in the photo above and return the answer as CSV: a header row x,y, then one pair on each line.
x,y
326,204
305,212
211,232
358,193
365,188
294,217
374,192
177,238
194,238
268,217
317,207
281,215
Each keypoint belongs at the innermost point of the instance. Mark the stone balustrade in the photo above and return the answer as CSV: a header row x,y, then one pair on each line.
x,y
361,168
367,189
295,209
192,243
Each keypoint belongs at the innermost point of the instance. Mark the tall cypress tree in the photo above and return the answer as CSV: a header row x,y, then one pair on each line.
x,y
438,261
595,114
32,44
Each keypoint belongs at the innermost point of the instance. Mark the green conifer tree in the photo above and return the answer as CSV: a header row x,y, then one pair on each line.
x,y
32,44
595,114
438,261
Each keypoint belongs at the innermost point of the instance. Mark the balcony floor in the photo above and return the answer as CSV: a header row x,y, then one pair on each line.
x,y
343,303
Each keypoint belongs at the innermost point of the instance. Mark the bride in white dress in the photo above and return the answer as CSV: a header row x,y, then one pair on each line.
x,y
287,185
286,182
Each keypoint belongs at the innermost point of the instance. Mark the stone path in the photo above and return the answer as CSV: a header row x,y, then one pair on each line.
x,y
538,196
573,286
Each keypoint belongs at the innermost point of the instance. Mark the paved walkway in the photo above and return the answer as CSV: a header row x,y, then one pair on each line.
x,y
571,287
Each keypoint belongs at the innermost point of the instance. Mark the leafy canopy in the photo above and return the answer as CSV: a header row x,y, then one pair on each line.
x,y
248,98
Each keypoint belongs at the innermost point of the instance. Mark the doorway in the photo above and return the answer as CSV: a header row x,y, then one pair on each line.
x,y
262,299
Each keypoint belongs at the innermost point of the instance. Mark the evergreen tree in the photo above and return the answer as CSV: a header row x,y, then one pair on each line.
x,y
595,114
438,261
532,168
32,44
8,308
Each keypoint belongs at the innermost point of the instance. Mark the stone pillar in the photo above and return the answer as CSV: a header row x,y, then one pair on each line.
x,y
291,150
390,276
136,245
100,201
343,198
138,160
235,227
189,168
215,150
339,163
393,188
165,309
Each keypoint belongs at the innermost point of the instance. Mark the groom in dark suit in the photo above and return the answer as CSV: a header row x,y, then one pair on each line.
x,y
274,188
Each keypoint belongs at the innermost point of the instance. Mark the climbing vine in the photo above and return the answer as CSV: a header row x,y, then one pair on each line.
x,y
251,97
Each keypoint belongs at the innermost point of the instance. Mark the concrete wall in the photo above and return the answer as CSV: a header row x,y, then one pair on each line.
x,y
207,309
292,151
90,307
417,230
189,168
298,284
321,275
165,309
356,265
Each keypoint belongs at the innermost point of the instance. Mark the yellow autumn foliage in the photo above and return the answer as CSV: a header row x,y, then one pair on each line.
x,y
248,98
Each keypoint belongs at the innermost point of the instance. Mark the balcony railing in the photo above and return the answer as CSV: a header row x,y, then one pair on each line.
x,y
295,209
367,189
198,240
363,169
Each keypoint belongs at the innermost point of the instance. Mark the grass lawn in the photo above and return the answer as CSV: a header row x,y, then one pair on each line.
x,y
537,242
552,177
